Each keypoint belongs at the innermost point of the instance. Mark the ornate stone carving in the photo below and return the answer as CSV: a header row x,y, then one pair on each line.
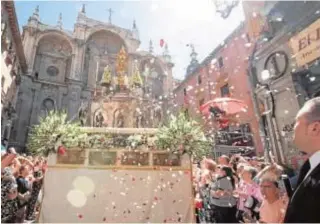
x,y
98,120
55,45
106,77
119,119
138,118
52,70
83,113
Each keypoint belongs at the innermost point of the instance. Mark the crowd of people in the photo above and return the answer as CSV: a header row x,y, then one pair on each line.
x,y
21,182
237,189
234,189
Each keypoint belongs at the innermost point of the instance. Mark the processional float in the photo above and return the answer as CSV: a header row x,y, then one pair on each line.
x,y
113,182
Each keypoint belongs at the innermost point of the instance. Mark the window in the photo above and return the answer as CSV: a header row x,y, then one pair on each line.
x,y
201,102
225,90
220,62
199,79
46,107
52,71
184,91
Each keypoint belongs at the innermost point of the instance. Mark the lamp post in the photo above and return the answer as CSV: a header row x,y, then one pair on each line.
x,y
267,78
251,79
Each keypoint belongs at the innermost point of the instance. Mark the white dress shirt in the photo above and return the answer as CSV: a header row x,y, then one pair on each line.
x,y
314,162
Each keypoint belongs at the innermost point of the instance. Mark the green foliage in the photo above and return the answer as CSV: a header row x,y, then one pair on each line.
x,y
184,135
136,78
135,140
52,131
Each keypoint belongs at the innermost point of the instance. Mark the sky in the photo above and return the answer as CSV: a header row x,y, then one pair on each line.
x,y
177,22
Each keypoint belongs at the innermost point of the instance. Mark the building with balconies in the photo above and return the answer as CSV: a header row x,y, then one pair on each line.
x,y
13,64
223,73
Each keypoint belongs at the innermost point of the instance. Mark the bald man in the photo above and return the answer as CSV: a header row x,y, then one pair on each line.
x,y
304,205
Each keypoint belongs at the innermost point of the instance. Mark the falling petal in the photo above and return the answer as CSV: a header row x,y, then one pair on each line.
x,y
312,78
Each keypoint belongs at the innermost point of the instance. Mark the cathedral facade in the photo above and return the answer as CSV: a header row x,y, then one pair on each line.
x,y
96,73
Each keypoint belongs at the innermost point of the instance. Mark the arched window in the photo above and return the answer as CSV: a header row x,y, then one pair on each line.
x,y
46,107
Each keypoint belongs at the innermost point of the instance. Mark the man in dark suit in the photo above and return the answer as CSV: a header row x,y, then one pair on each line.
x,y
304,205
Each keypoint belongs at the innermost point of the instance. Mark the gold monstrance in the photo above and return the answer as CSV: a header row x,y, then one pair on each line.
x,y
121,67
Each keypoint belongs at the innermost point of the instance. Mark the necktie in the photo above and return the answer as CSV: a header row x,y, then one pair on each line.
x,y
303,172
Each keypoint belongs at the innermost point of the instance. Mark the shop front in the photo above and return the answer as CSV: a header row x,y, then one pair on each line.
x,y
306,52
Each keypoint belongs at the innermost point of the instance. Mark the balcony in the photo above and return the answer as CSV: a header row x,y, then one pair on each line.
x,y
233,142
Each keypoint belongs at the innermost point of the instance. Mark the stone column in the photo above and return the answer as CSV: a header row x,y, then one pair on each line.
x,y
32,56
73,74
36,104
74,99
30,47
80,61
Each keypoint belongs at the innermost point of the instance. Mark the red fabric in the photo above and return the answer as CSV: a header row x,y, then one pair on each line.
x,y
61,150
199,204
229,105
223,123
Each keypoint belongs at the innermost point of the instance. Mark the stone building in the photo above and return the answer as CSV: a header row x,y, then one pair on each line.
x,y
13,65
95,72
287,68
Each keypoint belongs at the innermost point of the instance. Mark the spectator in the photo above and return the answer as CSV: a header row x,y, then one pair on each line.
x,y
23,191
208,171
207,178
4,145
9,203
273,207
224,160
249,191
36,187
304,205
17,187
222,199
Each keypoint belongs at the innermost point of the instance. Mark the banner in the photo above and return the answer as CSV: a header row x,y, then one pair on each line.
x,y
306,44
